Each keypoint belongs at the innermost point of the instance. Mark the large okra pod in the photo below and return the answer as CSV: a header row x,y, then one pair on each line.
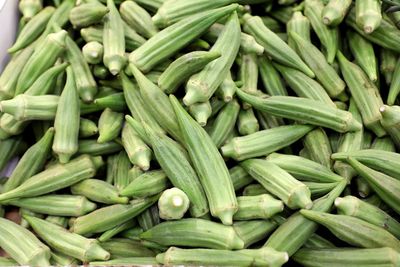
x,y
166,42
22,245
137,18
355,207
87,14
394,85
305,110
272,82
391,122
173,204
194,233
220,192
147,184
55,178
335,11
201,86
275,47
108,217
110,125
138,152
299,24
368,15
122,247
353,230
30,8
69,243
318,146
99,191
253,231
262,206
264,142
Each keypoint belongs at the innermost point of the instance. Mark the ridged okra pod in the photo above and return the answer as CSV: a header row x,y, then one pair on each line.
x,y
388,62
138,152
149,218
248,72
335,11
93,53
280,183
318,146
394,85
58,205
115,102
122,166
355,207
30,8
69,243
254,190
275,47
137,18
98,191
317,241
305,110
173,204
108,217
262,206
328,36
110,125
194,233
220,192
383,143
122,247
166,42
254,230
113,40
299,24
263,142
87,14
270,78
353,230
30,251
147,184
247,122
183,67
201,86
391,122
368,15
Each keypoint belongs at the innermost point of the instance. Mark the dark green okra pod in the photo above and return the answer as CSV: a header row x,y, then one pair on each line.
x,y
300,25
91,147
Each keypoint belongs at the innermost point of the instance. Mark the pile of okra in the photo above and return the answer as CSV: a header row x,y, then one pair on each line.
x,y
202,132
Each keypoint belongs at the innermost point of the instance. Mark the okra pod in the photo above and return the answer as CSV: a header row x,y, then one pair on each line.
x,y
138,152
390,121
116,102
122,248
148,184
99,191
388,61
30,8
137,18
107,235
247,122
335,11
317,241
318,146
87,128
253,231
91,147
384,143
368,15
254,190
110,125
60,259
127,261
257,207
394,85
173,204
299,24
93,52
87,14
122,166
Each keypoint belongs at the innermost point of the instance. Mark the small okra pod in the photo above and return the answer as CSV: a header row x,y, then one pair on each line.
x,y
391,122
262,206
55,178
263,142
151,261
247,122
29,8
137,18
194,233
317,242
208,164
110,125
113,40
318,146
394,85
122,166
355,207
388,62
304,169
60,259
335,11
138,152
216,105
87,128
324,72
173,204
116,102
87,14
254,230
91,147
98,191
384,143
254,190
275,47
32,29
328,36
166,42
201,86
338,257
248,73
270,78
368,15
201,112
299,24
305,110
183,67
108,217
71,244
280,183
353,230
148,184
93,52
58,205
58,220
123,248
44,56
22,245
107,235
227,89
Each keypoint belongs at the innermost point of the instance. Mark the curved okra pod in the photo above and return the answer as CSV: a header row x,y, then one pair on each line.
x,y
335,11
98,191
183,67
264,142
148,184
262,206
30,8
305,110
272,82
138,152
394,85
247,122
71,244
123,247
173,204
299,24
201,86
219,192
110,125
87,14
390,121
318,146
353,230
166,42
93,52
254,230
368,15
29,252
137,18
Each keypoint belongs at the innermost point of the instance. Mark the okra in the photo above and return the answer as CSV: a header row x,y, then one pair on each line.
x,y
99,191
253,231
149,218
7,262
317,241
148,184
110,125
138,152
173,204
270,78
58,220
122,248
384,143
390,121
60,259
227,89
30,8
116,102
320,189
122,166
91,147
126,261
254,190
87,14
388,61
137,18
9,148
335,11
318,146
247,122
257,207
394,84
107,235
87,128
93,52
299,24
368,15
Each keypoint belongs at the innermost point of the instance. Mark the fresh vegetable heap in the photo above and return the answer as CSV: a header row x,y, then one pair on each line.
x,y
202,132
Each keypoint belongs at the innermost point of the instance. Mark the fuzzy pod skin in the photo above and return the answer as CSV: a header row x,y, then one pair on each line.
x,y
355,207
318,146
29,8
69,243
107,235
368,15
108,217
304,169
98,191
263,142
183,67
194,233
93,52
254,230
173,204
55,178
394,85
87,14
29,252
32,29
137,18
299,24
353,230
280,183
138,152
42,59
179,170
257,207
126,261
57,205
247,122
335,11
87,128
324,72
201,86
166,42
270,78
110,125
148,184
301,108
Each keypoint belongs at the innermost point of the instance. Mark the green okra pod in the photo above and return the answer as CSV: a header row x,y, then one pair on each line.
x,y
247,122
58,220
122,166
262,206
137,18
110,125
107,235
318,146
394,85
148,184
91,147
335,11
227,89
248,72
93,52
98,191
390,121
270,78
320,189
123,247
254,190
201,112
30,8
254,230
173,204
87,128
87,14
299,24
7,262
127,261
384,143
368,15
268,121
60,259
9,148
60,16
388,61
115,102
138,152
149,218
317,241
